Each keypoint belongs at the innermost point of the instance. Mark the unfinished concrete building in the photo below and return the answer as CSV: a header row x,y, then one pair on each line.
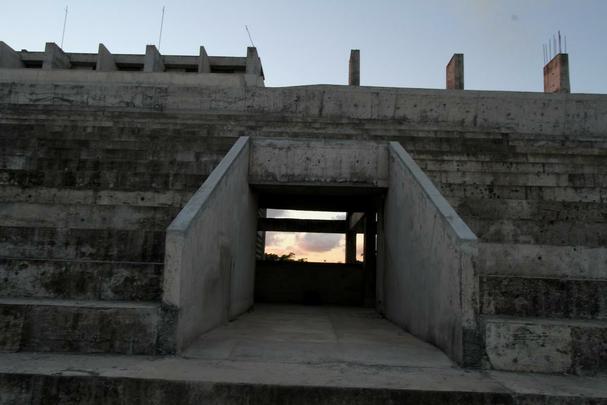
x,y
133,196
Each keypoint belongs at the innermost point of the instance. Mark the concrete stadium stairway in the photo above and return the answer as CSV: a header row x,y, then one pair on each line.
x,y
539,206
84,204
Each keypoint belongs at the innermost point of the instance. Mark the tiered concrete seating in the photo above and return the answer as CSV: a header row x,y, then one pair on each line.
x,y
538,205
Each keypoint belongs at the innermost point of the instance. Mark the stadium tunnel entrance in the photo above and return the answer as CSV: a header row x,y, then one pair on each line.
x,y
418,268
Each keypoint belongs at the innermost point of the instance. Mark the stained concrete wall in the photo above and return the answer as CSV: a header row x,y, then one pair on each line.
x,y
318,162
210,250
429,282
412,109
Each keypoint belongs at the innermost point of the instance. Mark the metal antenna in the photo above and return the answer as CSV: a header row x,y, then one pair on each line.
x,y
161,24
64,23
560,49
249,33
565,43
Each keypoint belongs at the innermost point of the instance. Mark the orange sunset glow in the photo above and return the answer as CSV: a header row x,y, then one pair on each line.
x,y
313,247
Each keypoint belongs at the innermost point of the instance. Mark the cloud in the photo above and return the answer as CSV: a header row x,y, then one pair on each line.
x,y
315,242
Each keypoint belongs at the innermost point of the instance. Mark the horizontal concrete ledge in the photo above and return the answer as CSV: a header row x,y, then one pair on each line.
x,y
448,214
198,201
127,78
139,379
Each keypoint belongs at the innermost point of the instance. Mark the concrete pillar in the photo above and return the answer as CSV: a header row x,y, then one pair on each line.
x,y
350,242
354,68
105,60
9,58
556,75
55,58
369,275
253,62
455,72
204,65
153,60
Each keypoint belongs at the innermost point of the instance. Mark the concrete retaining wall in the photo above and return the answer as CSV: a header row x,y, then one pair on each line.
x,y
427,279
210,250
503,112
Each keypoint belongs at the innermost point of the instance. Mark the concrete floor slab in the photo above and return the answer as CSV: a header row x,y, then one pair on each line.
x,y
315,335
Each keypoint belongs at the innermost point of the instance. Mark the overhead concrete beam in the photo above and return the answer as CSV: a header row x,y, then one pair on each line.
x,y
455,72
105,60
556,75
301,225
204,65
9,58
253,62
354,68
55,58
153,60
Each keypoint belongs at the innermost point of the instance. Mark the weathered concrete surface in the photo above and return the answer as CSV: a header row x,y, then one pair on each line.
x,y
354,68
55,58
455,72
428,282
86,280
571,298
210,250
543,261
9,58
318,163
78,326
308,334
308,283
152,61
162,79
556,75
253,64
78,379
204,65
546,345
105,60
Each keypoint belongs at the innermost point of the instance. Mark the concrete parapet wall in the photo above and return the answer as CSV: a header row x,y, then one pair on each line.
x,y
210,250
318,162
501,112
428,282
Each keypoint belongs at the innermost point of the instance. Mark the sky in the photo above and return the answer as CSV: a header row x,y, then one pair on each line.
x,y
313,247
403,43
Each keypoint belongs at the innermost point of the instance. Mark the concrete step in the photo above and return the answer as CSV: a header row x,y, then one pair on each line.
x,y
80,280
545,345
481,156
509,167
83,244
80,216
110,180
577,194
533,210
188,163
580,180
27,157
50,195
505,146
543,297
547,261
558,233
35,378
44,325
